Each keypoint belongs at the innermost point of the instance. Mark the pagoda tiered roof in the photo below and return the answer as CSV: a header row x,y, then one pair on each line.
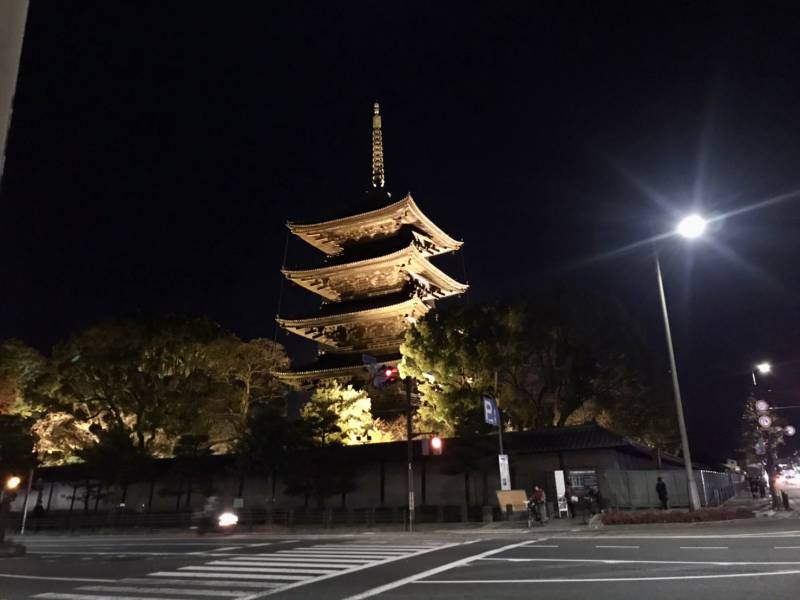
x,y
366,330
334,366
332,237
377,276
376,282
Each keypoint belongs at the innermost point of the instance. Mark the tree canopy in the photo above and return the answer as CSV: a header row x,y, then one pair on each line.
x,y
557,358
155,379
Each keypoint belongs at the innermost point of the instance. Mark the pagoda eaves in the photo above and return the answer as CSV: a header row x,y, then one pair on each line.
x,y
369,330
377,276
333,236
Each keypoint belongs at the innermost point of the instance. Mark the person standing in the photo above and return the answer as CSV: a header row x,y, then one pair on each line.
x,y
663,496
568,496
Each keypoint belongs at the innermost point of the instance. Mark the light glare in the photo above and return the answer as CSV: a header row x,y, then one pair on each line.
x,y
764,368
692,226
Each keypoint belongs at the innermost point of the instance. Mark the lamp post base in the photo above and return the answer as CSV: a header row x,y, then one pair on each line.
x,y
694,496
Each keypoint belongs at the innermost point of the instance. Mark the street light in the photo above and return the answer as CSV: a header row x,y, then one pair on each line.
x,y
13,482
764,368
691,227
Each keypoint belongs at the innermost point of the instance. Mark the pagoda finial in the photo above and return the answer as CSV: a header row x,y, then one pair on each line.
x,y
378,175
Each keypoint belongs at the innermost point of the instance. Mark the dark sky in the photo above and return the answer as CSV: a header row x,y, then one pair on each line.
x,y
158,148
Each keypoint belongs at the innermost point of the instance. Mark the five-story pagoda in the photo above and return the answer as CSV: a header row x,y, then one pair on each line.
x,y
378,280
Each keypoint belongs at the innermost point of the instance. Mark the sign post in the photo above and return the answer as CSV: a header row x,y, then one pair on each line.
x,y
491,414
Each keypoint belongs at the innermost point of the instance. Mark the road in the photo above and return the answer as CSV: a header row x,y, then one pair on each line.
x,y
722,561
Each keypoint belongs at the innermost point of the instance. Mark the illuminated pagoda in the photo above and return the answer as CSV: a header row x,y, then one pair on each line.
x,y
377,280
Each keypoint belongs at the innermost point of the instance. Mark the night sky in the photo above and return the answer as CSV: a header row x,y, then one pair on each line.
x,y
158,148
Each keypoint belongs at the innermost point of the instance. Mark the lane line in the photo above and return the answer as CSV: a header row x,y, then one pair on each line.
x,y
636,536
605,579
635,547
159,590
786,547
621,561
229,548
704,547
41,578
435,571
353,570
59,596
220,582
544,546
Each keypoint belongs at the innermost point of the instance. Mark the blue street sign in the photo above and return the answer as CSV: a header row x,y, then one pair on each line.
x,y
490,413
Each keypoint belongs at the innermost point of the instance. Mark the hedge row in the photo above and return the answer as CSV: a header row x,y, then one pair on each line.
x,y
675,516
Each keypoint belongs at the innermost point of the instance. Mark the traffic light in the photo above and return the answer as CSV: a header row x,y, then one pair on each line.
x,y
433,446
385,375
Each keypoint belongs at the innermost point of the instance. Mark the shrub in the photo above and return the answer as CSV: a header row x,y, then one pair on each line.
x,y
674,516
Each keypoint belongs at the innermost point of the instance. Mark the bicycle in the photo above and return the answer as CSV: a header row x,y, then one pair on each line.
x,y
535,513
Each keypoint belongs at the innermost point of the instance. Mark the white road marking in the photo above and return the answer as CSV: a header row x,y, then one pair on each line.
x,y
786,547
268,544
40,578
218,582
229,548
617,547
435,571
253,576
636,536
276,557
259,570
544,546
158,590
57,596
605,579
108,553
704,547
259,595
620,561
241,562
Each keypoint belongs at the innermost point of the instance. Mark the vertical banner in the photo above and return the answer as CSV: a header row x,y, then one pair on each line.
x,y
505,474
490,411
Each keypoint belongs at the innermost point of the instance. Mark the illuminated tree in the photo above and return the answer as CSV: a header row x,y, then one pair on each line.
x,y
557,357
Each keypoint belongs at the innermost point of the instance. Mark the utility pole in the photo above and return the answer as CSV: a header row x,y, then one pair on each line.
x,y
410,452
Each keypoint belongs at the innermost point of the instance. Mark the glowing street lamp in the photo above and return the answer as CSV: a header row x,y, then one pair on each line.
x,y
13,482
692,226
763,368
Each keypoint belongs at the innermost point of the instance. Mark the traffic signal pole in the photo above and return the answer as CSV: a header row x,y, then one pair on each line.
x,y
410,451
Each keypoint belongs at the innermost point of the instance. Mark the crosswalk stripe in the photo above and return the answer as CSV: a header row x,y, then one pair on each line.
x,y
244,563
342,554
57,596
159,590
254,576
374,547
245,585
229,569
346,550
311,558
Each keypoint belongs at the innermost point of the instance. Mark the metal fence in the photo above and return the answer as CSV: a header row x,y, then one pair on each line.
x,y
634,489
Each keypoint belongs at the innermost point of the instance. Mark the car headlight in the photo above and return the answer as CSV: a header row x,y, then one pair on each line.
x,y
227,519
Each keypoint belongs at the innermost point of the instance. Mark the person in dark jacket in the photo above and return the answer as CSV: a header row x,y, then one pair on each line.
x,y
663,496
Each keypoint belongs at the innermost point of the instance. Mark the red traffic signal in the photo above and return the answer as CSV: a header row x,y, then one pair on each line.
x,y
433,445
386,375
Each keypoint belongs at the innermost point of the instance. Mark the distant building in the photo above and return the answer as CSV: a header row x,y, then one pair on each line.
x,y
378,280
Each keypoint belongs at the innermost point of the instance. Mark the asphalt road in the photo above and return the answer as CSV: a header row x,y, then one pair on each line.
x,y
734,560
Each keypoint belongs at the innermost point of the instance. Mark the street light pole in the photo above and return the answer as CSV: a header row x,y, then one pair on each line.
x,y
694,496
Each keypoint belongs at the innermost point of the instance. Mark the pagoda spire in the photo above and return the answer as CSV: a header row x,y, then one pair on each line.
x,y
378,175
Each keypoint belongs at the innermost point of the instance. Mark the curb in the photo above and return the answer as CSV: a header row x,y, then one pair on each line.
x,y
11,549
